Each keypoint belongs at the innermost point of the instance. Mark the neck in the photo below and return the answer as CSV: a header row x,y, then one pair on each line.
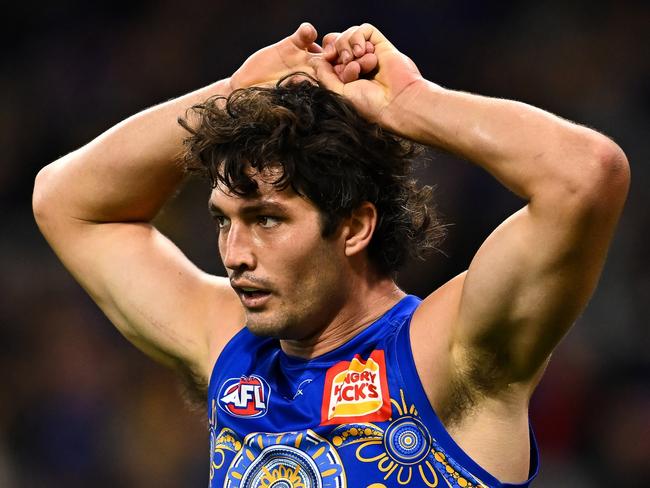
x,y
368,302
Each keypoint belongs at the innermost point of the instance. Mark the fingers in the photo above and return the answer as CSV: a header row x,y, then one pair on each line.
x,y
357,41
330,38
327,75
368,62
330,49
305,36
350,72
328,46
352,52
314,48
354,69
344,47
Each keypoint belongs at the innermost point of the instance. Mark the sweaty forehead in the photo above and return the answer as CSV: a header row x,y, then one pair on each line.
x,y
224,200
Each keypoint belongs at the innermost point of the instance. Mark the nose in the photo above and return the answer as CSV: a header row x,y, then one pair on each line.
x,y
236,248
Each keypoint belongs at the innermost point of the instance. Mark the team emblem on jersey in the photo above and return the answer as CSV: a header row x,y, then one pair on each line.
x,y
356,391
247,396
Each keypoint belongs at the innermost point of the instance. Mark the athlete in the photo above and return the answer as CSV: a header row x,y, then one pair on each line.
x,y
318,369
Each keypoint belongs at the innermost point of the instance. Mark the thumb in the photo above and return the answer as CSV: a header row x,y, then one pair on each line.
x,y
325,75
304,36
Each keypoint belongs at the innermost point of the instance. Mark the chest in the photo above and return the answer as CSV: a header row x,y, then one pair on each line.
x,y
349,423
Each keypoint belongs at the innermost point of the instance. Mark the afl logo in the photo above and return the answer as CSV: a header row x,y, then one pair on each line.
x,y
247,396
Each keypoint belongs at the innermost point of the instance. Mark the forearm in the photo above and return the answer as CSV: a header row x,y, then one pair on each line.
x,y
532,152
128,172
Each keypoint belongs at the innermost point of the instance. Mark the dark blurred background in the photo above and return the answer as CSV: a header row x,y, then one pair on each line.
x,y
80,406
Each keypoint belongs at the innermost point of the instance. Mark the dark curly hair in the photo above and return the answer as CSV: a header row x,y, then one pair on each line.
x,y
326,151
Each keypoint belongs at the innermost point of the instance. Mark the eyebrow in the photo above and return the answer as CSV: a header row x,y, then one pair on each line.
x,y
251,207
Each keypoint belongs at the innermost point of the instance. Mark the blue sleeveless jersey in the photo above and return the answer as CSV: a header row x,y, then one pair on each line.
x,y
355,417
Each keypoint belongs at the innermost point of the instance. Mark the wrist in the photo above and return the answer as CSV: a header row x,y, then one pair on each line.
x,y
228,86
410,111
223,87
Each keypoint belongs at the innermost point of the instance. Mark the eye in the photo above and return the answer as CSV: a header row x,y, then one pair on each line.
x,y
267,222
221,221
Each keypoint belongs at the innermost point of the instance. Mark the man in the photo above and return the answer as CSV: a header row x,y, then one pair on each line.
x,y
338,378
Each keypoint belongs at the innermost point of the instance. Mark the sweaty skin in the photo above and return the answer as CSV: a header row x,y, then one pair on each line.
x,y
312,293
480,341
95,207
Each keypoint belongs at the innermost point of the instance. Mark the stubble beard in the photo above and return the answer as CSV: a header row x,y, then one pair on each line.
x,y
277,325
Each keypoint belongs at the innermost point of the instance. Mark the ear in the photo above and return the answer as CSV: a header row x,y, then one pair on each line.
x,y
360,227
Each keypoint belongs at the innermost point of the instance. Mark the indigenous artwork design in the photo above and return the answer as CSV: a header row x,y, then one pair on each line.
x,y
291,460
402,453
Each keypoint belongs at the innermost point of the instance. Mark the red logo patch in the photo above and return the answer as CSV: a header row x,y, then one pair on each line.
x,y
247,396
356,391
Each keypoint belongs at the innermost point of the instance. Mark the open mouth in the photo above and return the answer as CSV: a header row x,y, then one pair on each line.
x,y
252,297
253,293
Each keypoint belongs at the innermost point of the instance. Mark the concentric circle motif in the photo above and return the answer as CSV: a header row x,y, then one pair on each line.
x,y
407,440
290,460
282,467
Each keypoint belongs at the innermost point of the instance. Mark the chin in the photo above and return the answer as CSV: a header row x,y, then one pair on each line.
x,y
267,325
286,323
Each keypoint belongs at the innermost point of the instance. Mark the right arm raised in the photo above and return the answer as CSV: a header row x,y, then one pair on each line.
x,y
95,205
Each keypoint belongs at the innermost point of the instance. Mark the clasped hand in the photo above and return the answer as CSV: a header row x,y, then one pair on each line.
x,y
359,64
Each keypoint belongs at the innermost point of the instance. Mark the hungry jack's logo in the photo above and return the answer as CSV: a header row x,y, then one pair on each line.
x,y
356,391
247,396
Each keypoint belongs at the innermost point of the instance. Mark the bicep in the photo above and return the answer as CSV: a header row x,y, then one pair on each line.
x,y
529,281
153,294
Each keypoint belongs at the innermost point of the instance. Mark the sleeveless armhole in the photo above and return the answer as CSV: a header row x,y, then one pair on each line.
x,y
243,336
411,380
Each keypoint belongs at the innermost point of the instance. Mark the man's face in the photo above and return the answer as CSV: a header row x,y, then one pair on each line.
x,y
290,280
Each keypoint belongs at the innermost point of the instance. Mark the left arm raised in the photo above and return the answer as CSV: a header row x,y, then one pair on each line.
x,y
533,276
535,273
